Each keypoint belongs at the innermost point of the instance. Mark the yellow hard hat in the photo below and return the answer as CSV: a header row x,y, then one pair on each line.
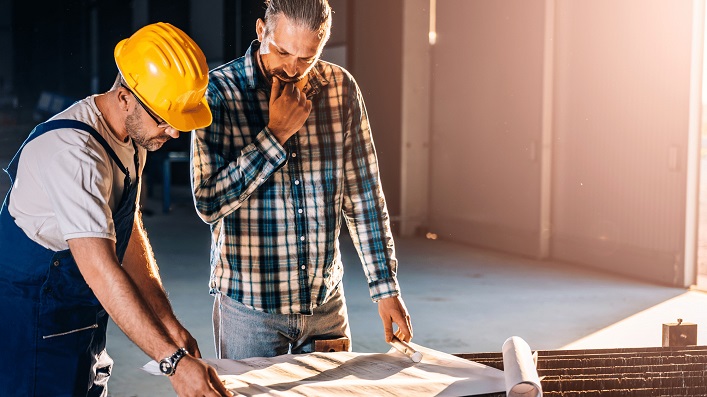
x,y
168,72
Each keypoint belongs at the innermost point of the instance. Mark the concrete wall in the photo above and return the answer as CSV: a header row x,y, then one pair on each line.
x,y
336,49
6,48
622,90
206,24
375,59
619,111
415,118
486,112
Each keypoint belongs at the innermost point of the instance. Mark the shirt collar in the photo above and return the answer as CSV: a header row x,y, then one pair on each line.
x,y
256,80
252,72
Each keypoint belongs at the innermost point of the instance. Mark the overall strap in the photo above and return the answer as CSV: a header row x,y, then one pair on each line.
x,y
59,124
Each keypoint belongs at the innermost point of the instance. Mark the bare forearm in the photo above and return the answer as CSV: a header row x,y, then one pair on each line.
x,y
139,262
120,296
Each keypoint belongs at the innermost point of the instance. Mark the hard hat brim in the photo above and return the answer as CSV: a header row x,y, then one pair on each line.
x,y
198,117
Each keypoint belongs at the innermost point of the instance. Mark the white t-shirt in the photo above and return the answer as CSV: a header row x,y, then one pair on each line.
x,y
67,185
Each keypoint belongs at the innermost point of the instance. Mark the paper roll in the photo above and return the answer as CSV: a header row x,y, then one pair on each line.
x,y
519,367
406,349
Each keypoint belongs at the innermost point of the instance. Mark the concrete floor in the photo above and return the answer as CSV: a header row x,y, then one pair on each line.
x,y
461,299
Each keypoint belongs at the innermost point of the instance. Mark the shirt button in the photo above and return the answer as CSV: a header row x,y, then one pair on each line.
x,y
299,210
297,182
294,154
304,267
301,238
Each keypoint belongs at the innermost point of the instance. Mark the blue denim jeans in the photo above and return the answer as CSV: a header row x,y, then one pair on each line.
x,y
241,332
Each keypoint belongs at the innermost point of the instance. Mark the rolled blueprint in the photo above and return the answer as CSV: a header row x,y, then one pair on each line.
x,y
406,349
519,368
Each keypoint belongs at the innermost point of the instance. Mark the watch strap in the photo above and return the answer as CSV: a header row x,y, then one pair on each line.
x,y
173,360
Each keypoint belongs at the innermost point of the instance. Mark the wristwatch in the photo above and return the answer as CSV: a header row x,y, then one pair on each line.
x,y
168,365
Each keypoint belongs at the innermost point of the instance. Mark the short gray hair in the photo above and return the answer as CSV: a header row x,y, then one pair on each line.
x,y
312,14
118,82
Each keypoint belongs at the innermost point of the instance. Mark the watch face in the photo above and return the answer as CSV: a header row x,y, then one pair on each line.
x,y
165,367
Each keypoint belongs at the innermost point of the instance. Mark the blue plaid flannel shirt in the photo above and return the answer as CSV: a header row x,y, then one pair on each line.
x,y
276,212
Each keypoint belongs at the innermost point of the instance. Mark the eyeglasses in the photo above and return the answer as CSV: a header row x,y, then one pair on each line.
x,y
160,123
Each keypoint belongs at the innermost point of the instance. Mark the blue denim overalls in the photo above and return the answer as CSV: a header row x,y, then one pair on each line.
x,y
52,327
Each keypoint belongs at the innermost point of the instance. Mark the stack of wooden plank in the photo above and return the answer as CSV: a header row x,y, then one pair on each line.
x,y
635,372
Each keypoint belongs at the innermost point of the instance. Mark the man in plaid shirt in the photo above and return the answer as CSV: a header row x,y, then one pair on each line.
x,y
289,157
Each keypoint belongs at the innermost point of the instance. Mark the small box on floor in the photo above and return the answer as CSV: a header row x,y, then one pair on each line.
x,y
679,334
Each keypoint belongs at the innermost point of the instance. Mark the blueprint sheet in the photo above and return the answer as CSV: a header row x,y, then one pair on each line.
x,y
347,374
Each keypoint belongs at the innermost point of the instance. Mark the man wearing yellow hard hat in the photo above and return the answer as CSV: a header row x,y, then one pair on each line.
x,y
73,250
